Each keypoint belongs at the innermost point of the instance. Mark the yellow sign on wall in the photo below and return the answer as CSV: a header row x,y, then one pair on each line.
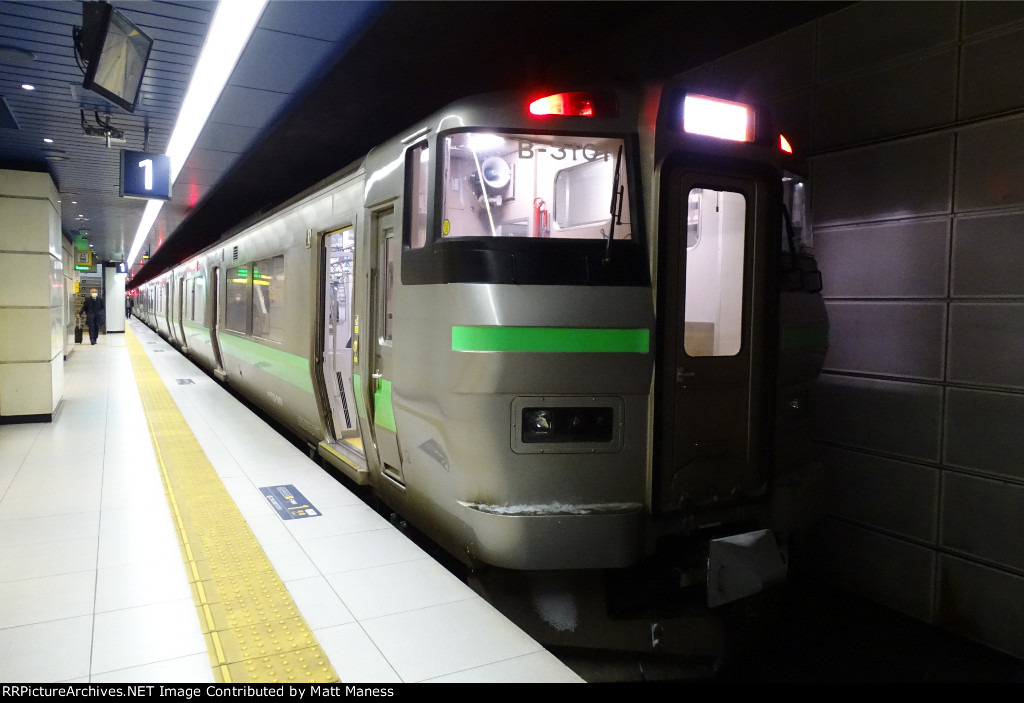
x,y
83,260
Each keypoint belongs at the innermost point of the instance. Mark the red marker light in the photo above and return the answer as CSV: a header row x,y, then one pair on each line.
x,y
785,145
576,104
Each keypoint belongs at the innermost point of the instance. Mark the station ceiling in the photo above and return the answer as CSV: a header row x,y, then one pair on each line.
x,y
319,83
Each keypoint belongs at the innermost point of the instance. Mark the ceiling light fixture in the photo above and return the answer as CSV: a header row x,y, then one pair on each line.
x,y
232,24
28,86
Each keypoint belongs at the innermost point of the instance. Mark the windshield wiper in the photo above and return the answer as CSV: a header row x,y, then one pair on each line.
x,y
616,209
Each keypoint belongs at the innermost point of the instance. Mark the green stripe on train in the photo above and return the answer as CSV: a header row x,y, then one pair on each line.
x,y
550,339
288,367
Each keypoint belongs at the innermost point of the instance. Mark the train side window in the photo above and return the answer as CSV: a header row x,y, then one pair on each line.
x,y
714,272
389,287
236,302
268,311
199,300
416,195
582,194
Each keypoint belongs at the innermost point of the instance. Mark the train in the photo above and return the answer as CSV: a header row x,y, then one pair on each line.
x,y
567,334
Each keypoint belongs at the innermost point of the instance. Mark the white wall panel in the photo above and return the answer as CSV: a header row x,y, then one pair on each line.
x,y
891,571
31,301
55,280
917,190
981,603
908,259
989,167
24,276
891,181
893,496
981,17
869,34
992,81
28,184
26,334
28,389
983,518
777,66
56,332
900,419
987,256
892,100
889,338
26,224
986,344
983,432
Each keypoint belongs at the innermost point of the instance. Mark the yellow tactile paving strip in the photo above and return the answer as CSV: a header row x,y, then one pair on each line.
x,y
254,632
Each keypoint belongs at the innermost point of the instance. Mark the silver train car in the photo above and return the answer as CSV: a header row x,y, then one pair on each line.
x,y
566,335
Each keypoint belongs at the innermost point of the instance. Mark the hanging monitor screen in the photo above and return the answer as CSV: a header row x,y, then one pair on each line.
x,y
115,52
145,175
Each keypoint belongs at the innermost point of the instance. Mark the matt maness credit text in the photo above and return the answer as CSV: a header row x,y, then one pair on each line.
x,y
190,692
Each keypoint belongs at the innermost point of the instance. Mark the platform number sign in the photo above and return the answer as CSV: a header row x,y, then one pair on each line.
x,y
145,175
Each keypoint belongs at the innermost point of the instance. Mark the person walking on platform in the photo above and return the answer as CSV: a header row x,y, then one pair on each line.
x,y
129,303
92,308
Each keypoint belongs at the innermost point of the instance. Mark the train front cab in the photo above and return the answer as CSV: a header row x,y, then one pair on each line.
x,y
500,303
715,227
485,314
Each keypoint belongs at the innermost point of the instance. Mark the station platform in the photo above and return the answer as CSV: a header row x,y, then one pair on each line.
x,y
136,546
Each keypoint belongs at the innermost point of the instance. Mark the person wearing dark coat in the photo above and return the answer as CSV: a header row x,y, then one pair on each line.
x,y
93,309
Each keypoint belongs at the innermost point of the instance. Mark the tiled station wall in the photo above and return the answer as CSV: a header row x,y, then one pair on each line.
x,y
912,115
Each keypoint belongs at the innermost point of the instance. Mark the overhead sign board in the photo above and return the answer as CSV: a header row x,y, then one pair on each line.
x,y
83,260
145,175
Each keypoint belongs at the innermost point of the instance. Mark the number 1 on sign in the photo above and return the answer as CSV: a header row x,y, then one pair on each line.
x,y
148,165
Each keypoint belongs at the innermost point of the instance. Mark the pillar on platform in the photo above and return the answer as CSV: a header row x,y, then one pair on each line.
x,y
113,298
31,298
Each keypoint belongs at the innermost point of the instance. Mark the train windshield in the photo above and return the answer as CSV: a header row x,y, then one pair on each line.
x,y
530,185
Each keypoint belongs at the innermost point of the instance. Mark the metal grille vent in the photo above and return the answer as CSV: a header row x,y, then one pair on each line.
x,y
234,253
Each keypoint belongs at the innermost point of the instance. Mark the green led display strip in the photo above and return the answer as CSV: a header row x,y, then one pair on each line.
x,y
550,339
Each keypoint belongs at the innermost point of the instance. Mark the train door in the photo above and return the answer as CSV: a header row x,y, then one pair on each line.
x,y
215,321
714,389
336,367
180,314
382,307
165,292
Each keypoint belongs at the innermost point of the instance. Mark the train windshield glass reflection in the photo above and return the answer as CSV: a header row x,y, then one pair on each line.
x,y
530,185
